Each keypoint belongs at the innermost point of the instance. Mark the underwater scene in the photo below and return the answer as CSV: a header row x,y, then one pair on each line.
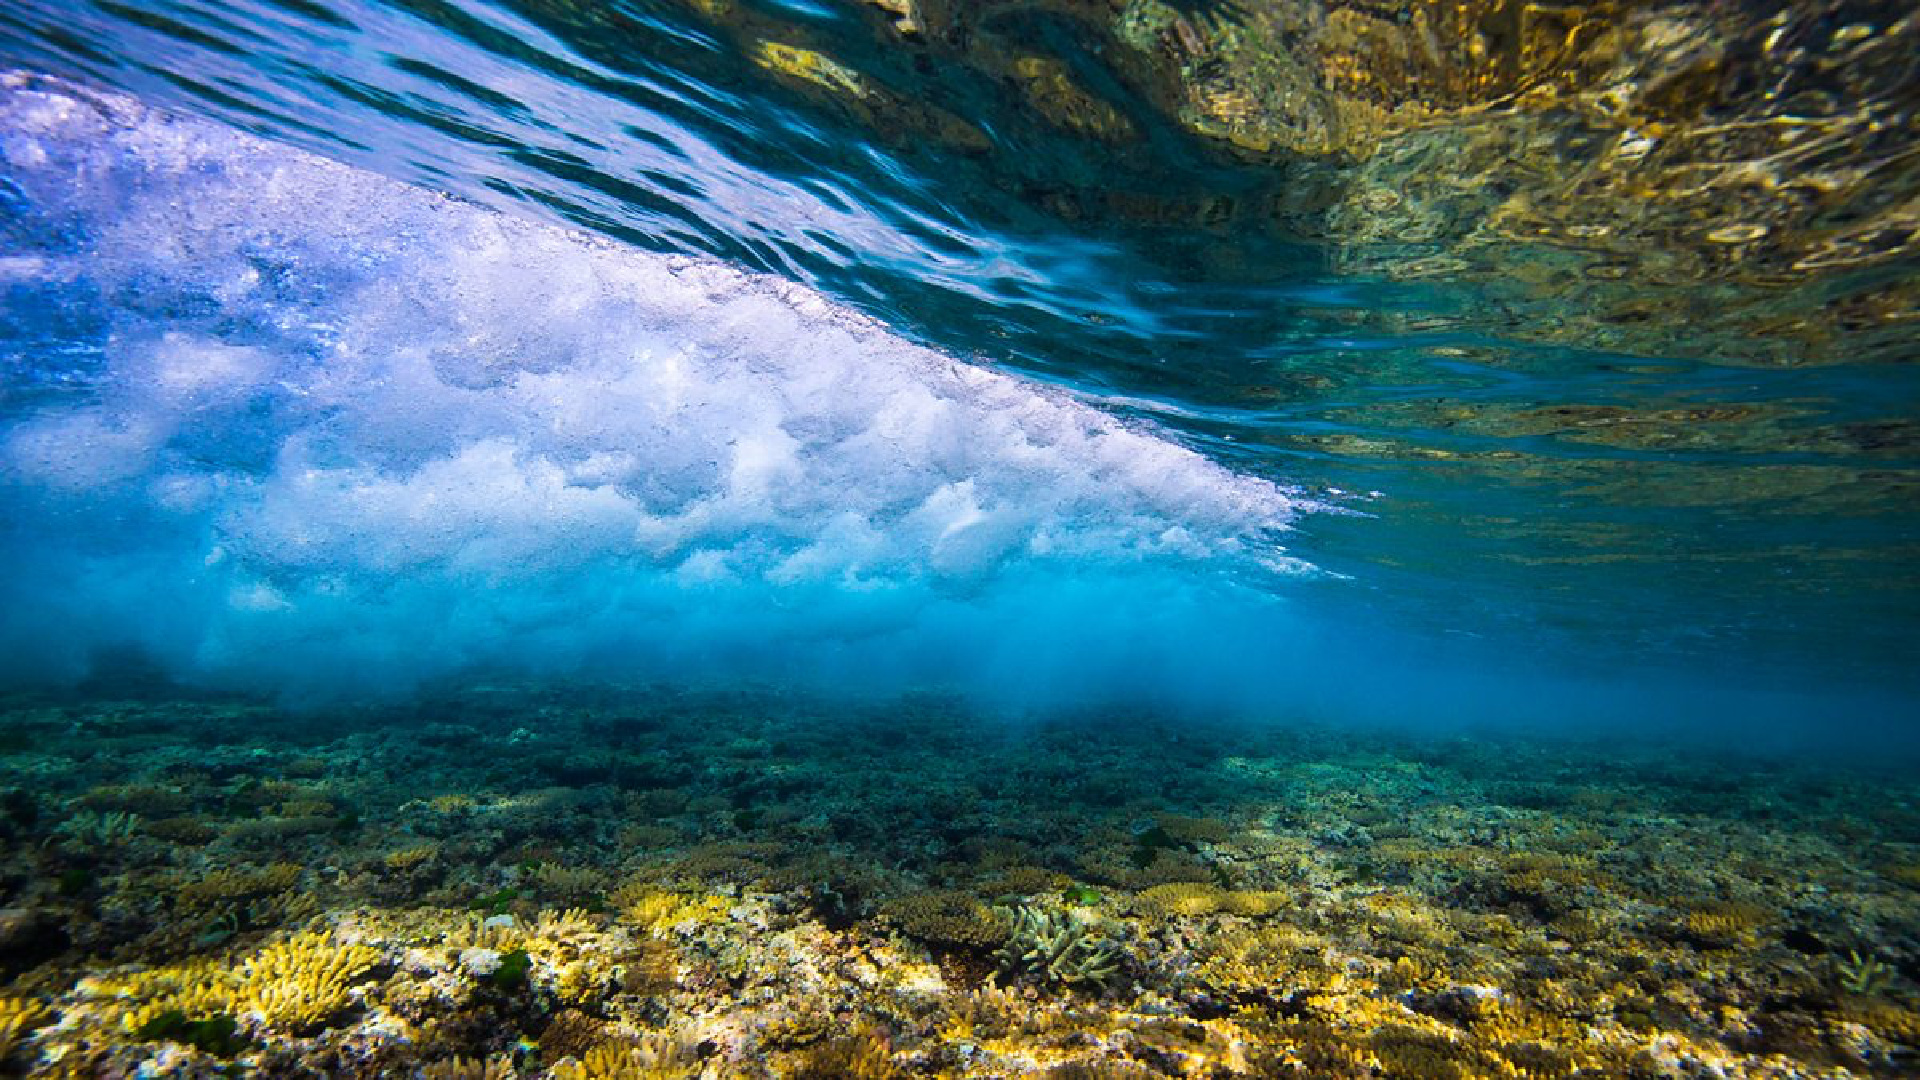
x,y
596,539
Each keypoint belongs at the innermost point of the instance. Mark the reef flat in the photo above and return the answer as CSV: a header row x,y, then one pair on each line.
x,y
517,881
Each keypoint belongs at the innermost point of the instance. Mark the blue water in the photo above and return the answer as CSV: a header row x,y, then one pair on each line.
x,y
357,350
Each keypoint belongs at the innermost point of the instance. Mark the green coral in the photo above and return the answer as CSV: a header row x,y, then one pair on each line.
x,y
1863,976
1057,948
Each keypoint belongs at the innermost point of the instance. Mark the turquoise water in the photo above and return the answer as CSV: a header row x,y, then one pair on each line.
x,y
355,349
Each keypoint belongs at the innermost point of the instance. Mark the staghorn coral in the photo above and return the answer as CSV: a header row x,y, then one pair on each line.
x,y
407,859
569,882
497,934
1862,976
661,912
865,1055
946,917
88,830
1192,830
555,931
1024,880
1189,899
1180,899
650,967
1723,923
19,1015
149,800
581,982
229,884
298,983
466,1068
803,1026
187,830
1057,948
303,981
571,1033
196,989
659,1056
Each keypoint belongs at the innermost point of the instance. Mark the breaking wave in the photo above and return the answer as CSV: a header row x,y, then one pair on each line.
x,y
283,425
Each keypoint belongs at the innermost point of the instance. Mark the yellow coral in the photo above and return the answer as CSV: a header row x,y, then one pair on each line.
x,y
477,932
228,884
659,1057
302,981
1181,898
1191,899
198,989
580,982
465,1068
17,1017
948,917
1193,830
567,924
863,1055
1724,923
408,858
662,912
1255,904
812,66
567,881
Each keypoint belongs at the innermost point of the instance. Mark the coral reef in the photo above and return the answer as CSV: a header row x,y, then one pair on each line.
x,y
838,891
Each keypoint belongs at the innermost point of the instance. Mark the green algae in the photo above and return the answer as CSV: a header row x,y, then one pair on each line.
x,y
512,972
216,1035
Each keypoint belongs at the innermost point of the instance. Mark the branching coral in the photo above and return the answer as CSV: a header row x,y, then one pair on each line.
x,y
1723,923
1863,976
466,1068
17,1017
947,917
570,882
298,983
1193,899
1057,948
661,911
228,884
861,1056
196,989
303,981
662,1056
482,932
87,830
1185,898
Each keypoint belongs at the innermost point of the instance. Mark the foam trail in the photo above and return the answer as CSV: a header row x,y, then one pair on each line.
x,y
288,426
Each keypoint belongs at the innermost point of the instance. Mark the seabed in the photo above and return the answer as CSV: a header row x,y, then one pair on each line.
x,y
653,883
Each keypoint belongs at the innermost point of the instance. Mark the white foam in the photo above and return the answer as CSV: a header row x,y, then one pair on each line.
x,y
360,424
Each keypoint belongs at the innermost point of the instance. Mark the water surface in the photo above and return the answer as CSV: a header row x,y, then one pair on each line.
x,y
1579,448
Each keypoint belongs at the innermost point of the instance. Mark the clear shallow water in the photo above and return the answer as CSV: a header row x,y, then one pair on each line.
x,y
289,426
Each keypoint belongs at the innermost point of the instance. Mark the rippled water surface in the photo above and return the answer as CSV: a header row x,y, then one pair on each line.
x,y
1580,345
